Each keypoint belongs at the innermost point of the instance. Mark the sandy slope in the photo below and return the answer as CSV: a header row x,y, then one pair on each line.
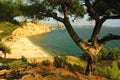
x,y
24,47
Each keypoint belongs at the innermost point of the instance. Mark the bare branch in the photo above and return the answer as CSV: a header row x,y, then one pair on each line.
x,y
109,37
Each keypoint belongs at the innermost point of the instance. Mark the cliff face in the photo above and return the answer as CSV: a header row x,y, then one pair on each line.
x,y
31,29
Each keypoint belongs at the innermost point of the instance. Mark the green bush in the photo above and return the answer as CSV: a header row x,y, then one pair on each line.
x,y
7,29
46,63
113,72
114,54
103,54
74,67
5,49
60,61
4,66
16,64
23,59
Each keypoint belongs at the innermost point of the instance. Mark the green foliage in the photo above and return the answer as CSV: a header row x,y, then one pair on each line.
x,y
50,6
9,10
60,61
101,7
113,72
5,49
23,59
114,54
75,67
4,66
103,54
14,75
7,28
46,62
16,64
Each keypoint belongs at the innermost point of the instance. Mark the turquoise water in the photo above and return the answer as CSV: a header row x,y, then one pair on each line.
x,y
59,41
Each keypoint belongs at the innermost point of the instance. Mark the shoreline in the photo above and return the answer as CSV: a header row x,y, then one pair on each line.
x,y
22,46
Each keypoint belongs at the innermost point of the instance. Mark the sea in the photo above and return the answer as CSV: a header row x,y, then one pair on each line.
x,y
58,40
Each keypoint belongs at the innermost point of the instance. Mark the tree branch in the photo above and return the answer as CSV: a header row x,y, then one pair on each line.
x,y
109,37
98,24
91,10
65,11
112,17
53,15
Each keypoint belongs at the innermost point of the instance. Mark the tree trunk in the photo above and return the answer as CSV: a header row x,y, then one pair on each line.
x,y
4,55
91,65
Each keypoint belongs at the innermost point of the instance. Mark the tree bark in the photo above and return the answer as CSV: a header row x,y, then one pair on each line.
x,y
4,55
91,50
91,65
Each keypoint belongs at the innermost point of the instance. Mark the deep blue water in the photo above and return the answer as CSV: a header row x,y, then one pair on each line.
x,y
59,41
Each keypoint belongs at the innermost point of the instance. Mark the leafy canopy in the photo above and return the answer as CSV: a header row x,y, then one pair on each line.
x,y
9,10
34,8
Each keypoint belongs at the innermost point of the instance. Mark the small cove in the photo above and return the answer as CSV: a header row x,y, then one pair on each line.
x,y
59,41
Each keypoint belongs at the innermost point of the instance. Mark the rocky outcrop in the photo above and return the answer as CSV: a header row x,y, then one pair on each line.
x,y
31,29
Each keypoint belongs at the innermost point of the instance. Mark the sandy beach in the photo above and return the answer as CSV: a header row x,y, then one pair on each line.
x,y
21,46
24,47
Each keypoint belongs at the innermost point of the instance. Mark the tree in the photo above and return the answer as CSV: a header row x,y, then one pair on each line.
x,y
8,10
98,10
5,49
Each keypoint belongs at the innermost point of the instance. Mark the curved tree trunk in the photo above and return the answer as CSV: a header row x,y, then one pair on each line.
x,y
91,49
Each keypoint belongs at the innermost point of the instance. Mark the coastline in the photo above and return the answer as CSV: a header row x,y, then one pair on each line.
x,y
22,46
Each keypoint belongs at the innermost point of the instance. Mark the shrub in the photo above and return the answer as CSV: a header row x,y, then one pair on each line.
x,y
33,63
13,75
103,54
23,59
16,64
57,61
60,61
114,54
4,66
7,28
5,49
46,63
112,72
74,67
